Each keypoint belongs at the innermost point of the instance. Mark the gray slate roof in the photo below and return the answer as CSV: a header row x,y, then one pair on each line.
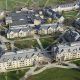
x,y
20,18
53,25
65,48
25,29
24,54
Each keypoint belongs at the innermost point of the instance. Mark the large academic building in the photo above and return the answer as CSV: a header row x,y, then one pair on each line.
x,y
66,51
69,48
19,59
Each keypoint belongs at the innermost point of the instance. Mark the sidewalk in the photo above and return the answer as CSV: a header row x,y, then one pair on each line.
x,y
32,72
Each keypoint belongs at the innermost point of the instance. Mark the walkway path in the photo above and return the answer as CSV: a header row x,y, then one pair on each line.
x,y
3,40
39,42
45,53
31,38
48,66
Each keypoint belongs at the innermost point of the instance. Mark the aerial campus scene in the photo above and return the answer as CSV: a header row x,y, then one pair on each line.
x,y
39,39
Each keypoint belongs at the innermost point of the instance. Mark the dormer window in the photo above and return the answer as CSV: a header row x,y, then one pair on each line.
x,y
33,54
4,59
14,58
69,50
26,56
62,50
19,58
74,50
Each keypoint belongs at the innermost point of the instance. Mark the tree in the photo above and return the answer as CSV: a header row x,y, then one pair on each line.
x,y
68,21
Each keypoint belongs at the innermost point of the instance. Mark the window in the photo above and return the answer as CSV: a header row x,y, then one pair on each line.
x,y
19,58
68,50
4,59
62,50
9,64
22,61
11,34
74,50
20,33
26,56
14,58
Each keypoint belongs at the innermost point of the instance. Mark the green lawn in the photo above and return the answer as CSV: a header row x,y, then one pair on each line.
x,y
26,44
77,62
13,75
47,41
12,4
33,43
57,74
70,14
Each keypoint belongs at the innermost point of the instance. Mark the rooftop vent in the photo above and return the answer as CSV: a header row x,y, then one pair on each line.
x,y
18,11
21,19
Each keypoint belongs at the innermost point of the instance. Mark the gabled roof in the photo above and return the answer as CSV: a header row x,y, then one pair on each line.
x,y
66,47
51,13
67,5
76,23
17,23
21,18
28,28
24,54
71,35
54,14
53,25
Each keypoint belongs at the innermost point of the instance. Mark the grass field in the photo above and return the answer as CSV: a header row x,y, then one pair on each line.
x,y
57,74
12,4
77,62
70,14
13,75
26,44
47,41
33,43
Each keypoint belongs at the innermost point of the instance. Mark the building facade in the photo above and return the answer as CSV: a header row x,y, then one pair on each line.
x,y
20,32
19,59
66,51
67,7
22,23
30,31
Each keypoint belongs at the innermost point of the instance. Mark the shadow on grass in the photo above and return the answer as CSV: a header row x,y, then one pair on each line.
x,y
76,78
75,69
